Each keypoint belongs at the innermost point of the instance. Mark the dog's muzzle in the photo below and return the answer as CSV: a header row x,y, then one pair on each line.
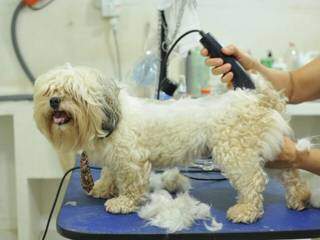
x,y
55,102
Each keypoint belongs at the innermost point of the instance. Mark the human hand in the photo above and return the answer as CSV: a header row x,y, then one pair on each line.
x,y
219,67
290,157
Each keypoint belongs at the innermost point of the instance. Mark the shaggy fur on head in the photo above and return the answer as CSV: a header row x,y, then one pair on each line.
x,y
90,103
242,129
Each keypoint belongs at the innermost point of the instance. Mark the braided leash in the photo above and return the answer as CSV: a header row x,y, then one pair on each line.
x,y
87,182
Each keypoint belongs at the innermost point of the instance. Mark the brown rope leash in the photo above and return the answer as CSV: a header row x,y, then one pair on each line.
x,y
87,182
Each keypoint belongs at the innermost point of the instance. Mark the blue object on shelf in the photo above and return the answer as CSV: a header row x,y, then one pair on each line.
x,y
84,217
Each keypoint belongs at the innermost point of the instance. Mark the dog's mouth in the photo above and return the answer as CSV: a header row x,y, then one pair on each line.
x,y
60,117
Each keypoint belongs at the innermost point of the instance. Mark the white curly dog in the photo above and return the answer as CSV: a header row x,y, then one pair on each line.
x,y
76,108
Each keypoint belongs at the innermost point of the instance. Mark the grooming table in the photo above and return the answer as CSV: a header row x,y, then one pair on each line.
x,y
83,217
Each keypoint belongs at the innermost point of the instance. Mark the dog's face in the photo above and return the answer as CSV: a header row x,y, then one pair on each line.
x,y
74,105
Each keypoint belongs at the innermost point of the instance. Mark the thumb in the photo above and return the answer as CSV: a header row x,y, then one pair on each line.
x,y
231,50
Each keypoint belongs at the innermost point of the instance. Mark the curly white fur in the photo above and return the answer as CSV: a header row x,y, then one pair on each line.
x,y
170,180
242,129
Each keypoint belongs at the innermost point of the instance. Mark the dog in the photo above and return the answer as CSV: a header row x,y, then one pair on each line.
x,y
77,108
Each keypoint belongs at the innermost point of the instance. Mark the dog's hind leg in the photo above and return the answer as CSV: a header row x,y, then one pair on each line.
x,y
297,191
243,168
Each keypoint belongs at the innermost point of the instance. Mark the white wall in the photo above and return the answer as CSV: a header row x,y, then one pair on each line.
x,y
259,25
7,175
70,31
73,31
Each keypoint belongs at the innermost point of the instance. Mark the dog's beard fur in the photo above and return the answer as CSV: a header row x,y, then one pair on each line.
x,y
92,109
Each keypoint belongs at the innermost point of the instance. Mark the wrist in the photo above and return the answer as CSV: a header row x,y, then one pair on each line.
x,y
300,157
260,68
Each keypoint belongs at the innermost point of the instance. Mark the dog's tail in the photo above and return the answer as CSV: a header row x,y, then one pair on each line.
x,y
268,96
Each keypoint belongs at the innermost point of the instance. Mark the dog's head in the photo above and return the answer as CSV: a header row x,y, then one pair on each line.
x,y
74,105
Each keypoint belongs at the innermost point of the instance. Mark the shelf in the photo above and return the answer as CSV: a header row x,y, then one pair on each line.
x,y
304,109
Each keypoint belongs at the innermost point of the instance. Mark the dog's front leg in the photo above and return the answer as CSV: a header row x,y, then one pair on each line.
x,y
132,179
105,186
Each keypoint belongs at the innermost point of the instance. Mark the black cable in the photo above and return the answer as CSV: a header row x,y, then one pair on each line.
x,y
14,40
57,196
205,179
165,60
99,168
191,171
15,44
163,50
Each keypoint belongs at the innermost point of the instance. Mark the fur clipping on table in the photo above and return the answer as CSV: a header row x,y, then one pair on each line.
x,y
170,180
175,214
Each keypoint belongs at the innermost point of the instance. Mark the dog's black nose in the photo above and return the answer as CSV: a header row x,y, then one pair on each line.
x,y
55,102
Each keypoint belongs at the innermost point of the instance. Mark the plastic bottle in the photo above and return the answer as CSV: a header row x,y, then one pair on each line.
x,y
291,57
268,61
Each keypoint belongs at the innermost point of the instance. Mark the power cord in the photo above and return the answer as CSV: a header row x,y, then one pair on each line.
x,y
165,60
99,168
21,5
15,44
57,196
216,179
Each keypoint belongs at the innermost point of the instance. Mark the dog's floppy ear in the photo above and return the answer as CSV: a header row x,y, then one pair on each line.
x,y
111,108
110,123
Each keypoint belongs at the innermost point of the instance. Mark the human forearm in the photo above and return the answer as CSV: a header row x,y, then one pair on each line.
x,y
291,157
310,161
299,85
279,79
306,82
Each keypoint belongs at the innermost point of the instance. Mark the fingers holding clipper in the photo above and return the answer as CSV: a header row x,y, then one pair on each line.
x,y
204,52
214,62
230,50
227,78
225,68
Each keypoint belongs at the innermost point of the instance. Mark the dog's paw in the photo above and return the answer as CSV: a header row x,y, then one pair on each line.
x,y
121,204
298,198
244,213
102,189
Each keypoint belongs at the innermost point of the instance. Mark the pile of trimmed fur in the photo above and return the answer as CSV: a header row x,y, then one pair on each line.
x,y
174,213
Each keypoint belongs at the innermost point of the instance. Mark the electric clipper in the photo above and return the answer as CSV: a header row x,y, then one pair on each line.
x,y
240,78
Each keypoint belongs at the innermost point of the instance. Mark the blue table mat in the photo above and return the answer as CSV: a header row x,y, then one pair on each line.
x,y
82,216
